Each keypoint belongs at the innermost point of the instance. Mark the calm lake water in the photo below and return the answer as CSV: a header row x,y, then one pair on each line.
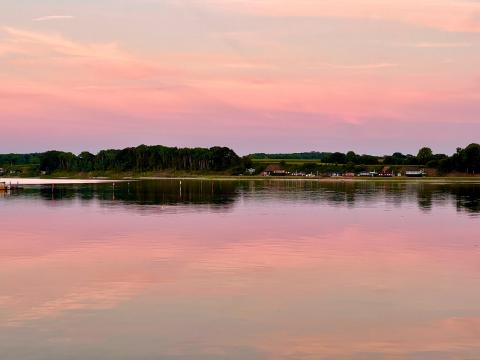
x,y
240,270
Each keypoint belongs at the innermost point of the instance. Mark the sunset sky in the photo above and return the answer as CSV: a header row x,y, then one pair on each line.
x,y
372,76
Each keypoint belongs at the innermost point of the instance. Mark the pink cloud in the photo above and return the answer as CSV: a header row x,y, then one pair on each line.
x,y
447,15
106,77
54,17
64,83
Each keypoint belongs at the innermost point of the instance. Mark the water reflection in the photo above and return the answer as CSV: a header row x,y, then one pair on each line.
x,y
223,194
240,271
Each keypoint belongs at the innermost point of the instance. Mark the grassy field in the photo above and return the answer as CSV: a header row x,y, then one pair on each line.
x,y
306,161
287,161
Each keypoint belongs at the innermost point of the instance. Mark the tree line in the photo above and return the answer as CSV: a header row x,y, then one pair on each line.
x,y
142,158
19,159
152,158
465,160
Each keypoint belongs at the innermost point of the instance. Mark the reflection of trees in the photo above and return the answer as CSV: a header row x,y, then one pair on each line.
x,y
165,192
359,193
223,194
467,198
425,196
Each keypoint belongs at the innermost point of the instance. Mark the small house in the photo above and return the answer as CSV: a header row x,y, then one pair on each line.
x,y
368,173
386,172
274,170
415,173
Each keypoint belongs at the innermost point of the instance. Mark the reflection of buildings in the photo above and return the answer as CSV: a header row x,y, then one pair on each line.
x,y
4,190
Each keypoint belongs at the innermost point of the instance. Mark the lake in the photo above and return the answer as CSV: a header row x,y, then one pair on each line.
x,y
240,270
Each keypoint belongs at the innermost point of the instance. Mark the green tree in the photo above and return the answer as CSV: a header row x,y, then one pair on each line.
x,y
351,157
336,158
86,161
424,155
470,158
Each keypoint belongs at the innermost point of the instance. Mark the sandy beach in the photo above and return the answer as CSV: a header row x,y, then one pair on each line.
x,y
35,181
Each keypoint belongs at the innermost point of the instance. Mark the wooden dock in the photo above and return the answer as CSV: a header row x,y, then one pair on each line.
x,y
9,186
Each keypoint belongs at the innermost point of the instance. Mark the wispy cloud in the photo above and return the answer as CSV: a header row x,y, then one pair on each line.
x,y
361,66
54,17
446,15
31,41
56,52
442,45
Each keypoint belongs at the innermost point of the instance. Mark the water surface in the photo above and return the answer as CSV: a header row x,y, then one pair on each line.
x,y
240,270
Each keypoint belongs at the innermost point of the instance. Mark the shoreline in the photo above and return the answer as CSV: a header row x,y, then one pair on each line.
x,y
83,181
438,180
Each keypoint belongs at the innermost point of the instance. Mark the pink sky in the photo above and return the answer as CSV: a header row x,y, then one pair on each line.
x,y
266,75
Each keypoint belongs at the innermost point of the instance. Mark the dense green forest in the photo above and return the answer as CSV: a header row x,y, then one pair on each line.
x,y
158,158
140,159
19,159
